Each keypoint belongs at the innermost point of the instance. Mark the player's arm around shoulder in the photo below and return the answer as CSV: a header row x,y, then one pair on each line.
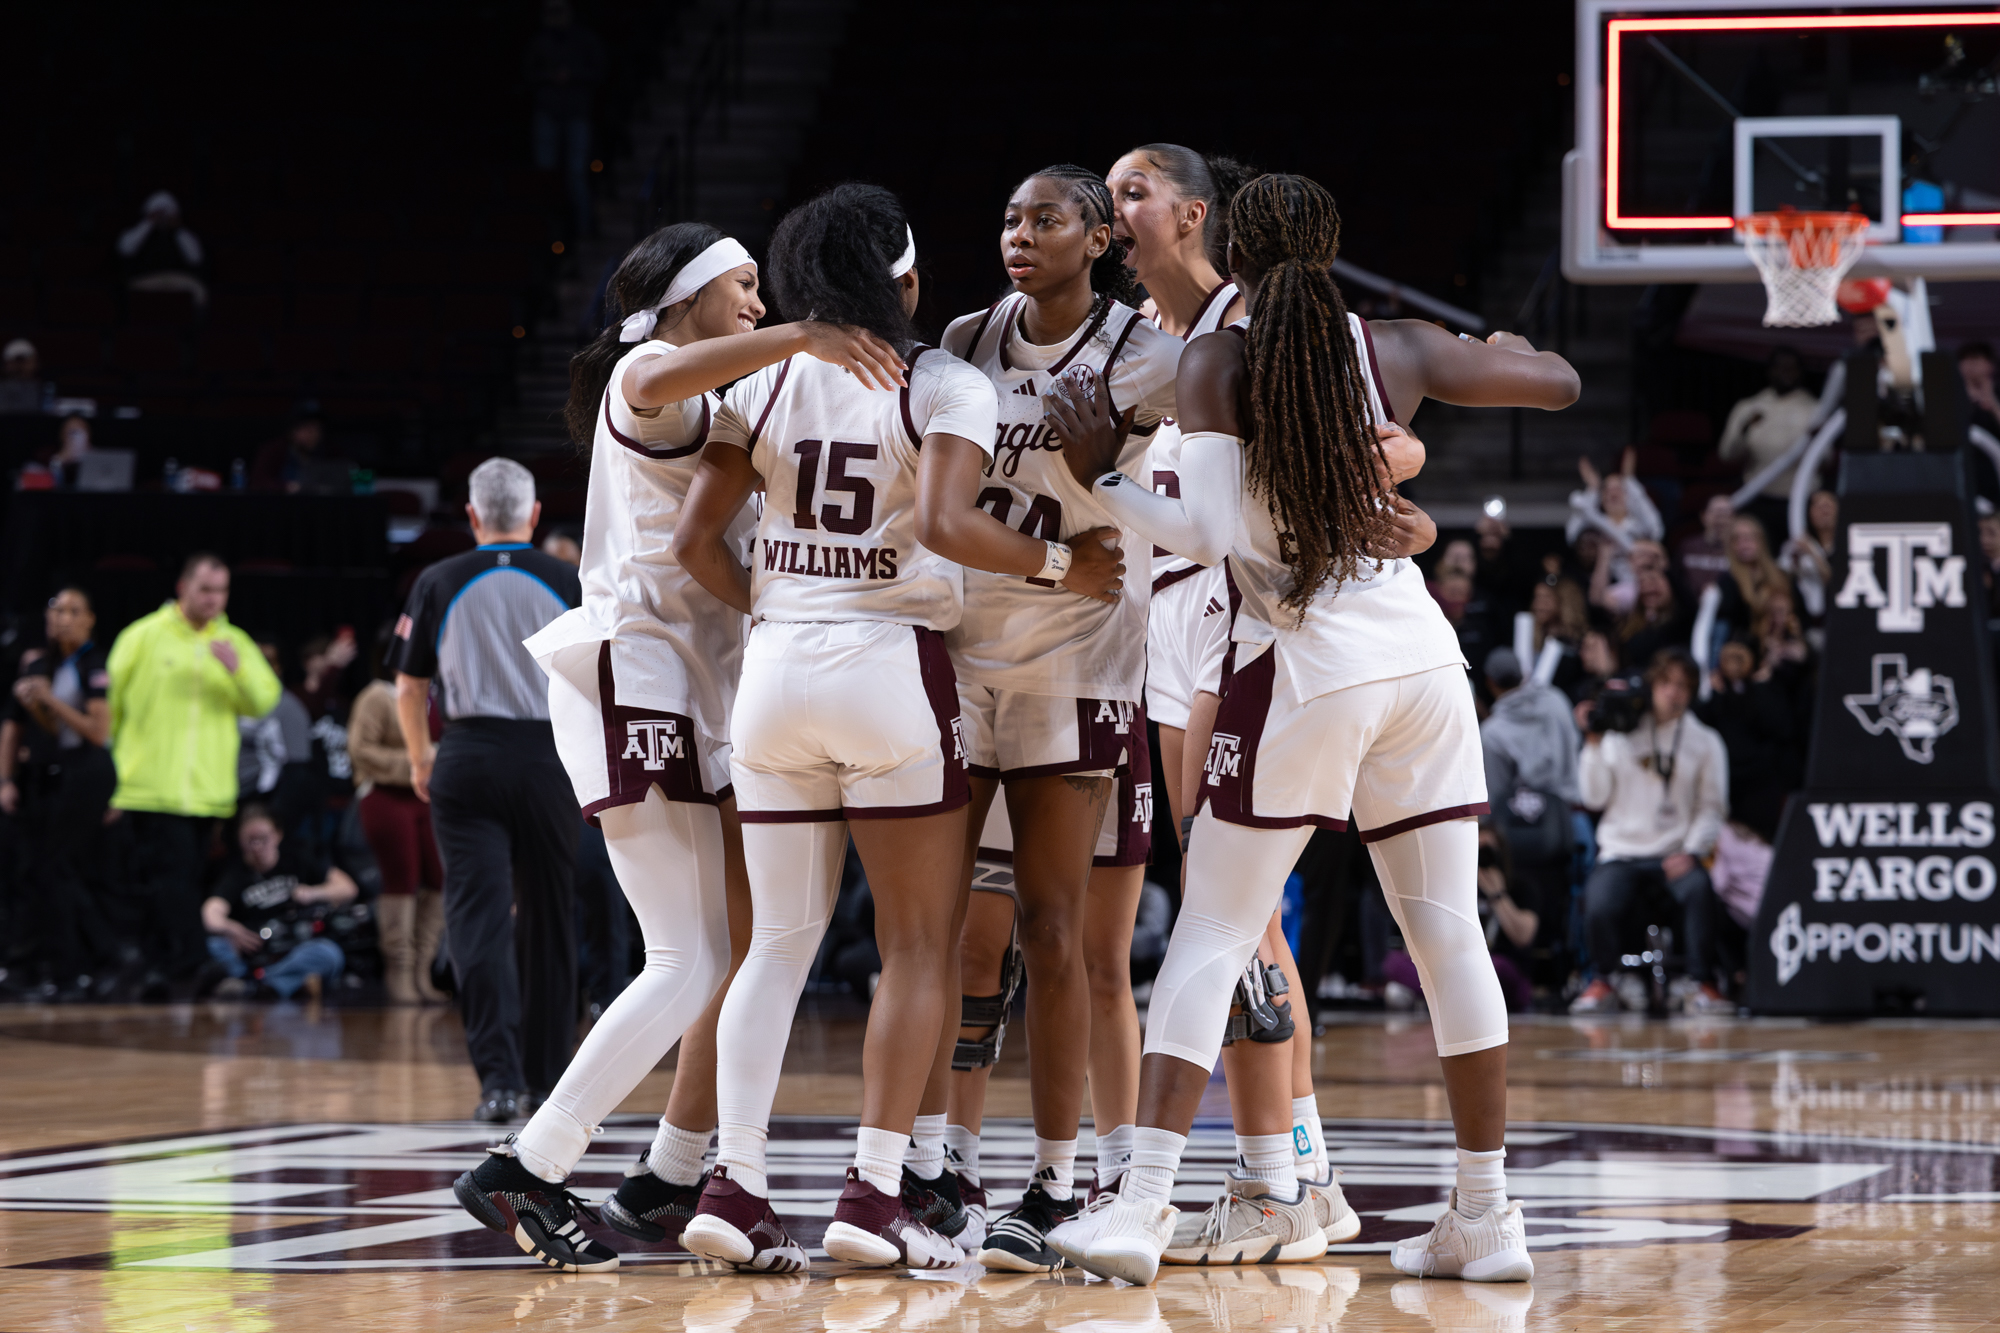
x,y
1419,360
1210,388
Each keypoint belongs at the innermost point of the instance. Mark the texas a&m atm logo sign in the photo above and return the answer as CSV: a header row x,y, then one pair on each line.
x,y
1922,572
652,743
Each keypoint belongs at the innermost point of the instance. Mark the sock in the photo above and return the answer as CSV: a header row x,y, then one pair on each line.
x,y
1114,1155
740,1148
1482,1182
926,1152
878,1156
961,1150
1308,1141
1268,1157
1055,1166
676,1154
1156,1156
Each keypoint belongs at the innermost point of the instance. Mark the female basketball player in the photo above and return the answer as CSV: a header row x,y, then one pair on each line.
x,y
641,677
1051,684
1348,692
847,715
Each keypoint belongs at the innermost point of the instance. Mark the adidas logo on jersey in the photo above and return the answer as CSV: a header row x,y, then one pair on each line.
x,y
1215,608
1027,387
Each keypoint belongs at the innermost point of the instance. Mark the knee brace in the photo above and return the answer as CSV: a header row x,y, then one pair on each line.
x,y
990,1011
1261,1015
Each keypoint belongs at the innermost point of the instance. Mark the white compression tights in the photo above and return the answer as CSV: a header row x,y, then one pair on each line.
x,y
794,879
668,858
1235,878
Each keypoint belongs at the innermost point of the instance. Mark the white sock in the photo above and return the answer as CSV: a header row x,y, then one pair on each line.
x,y
1268,1157
740,1148
676,1154
961,1150
1156,1156
1114,1154
1308,1140
1055,1166
878,1156
1482,1182
926,1151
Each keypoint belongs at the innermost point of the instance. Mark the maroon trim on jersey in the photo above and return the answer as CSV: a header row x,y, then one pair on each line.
x,y
1134,804
1173,576
972,348
769,403
1104,371
1208,301
1229,648
638,447
1089,332
909,422
791,816
630,778
1375,373
1424,821
941,689
1246,706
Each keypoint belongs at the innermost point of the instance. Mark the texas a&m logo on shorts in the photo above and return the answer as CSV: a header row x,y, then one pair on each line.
x,y
653,742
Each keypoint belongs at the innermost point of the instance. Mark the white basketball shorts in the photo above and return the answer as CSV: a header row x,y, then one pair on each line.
x,y
614,753
1398,753
1187,641
1010,734
1124,839
846,720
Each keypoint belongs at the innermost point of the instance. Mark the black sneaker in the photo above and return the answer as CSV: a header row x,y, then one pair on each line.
x,y
1018,1242
507,1197
936,1202
649,1209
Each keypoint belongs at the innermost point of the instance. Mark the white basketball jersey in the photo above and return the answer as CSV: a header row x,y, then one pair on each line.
x,y
1165,455
675,647
1026,634
1378,626
838,535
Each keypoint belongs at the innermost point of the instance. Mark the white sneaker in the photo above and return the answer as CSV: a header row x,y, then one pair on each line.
x,y
1340,1222
1492,1249
1117,1237
1246,1226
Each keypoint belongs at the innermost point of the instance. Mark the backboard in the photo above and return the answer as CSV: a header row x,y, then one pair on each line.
x,y
1693,113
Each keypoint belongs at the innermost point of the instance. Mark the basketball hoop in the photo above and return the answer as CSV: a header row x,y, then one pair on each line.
x,y
1802,258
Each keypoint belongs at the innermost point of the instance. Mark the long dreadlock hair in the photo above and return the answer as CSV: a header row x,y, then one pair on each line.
x,y
641,280
1315,459
1086,189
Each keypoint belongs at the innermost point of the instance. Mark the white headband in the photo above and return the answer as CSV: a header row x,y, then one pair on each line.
x,y
908,260
697,273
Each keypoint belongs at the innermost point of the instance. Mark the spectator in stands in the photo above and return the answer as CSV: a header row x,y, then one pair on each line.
x,y
1656,621
1616,506
255,914
1975,368
1506,575
1786,657
1598,657
1664,792
295,794
1808,558
1763,733
1617,594
1557,615
563,547
565,65
1765,425
1530,746
409,916
1705,556
286,463
1505,914
1753,577
180,678
323,661
1989,549
1457,593
56,779
21,379
158,254
72,443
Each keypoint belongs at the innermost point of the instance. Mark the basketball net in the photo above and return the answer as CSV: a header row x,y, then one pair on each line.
x,y
1802,258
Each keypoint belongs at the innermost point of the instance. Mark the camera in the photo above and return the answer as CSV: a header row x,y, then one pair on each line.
x,y
1620,706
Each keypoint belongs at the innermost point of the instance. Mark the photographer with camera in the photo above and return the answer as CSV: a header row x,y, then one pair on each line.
x,y
1661,779
263,915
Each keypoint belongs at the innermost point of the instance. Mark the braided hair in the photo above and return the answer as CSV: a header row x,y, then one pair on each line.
x,y
830,260
643,277
1316,461
1086,189
1210,177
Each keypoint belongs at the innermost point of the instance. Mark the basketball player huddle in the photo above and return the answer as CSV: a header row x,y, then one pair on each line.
x,y
838,585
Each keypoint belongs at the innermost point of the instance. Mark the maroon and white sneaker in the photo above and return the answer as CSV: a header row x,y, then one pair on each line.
x,y
735,1227
974,1198
876,1230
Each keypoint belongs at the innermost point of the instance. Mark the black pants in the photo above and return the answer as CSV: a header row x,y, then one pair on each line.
x,y
1615,892
63,828
506,823
170,856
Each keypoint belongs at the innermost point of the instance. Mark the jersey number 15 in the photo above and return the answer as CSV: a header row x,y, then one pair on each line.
x,y
860,489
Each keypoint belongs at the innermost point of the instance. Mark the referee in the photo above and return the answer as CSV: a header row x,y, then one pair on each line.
x,y
501,805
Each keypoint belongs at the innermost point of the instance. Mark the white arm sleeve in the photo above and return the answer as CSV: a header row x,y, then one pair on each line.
x,y
1201,523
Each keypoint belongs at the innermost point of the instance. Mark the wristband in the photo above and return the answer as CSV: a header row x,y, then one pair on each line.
x,y
1057,565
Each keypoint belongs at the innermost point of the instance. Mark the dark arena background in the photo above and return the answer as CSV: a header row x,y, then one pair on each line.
x,y
274,282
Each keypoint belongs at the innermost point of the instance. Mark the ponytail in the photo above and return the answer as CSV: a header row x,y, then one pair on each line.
x,y
1086,189
1314,457
1210,177
641,281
